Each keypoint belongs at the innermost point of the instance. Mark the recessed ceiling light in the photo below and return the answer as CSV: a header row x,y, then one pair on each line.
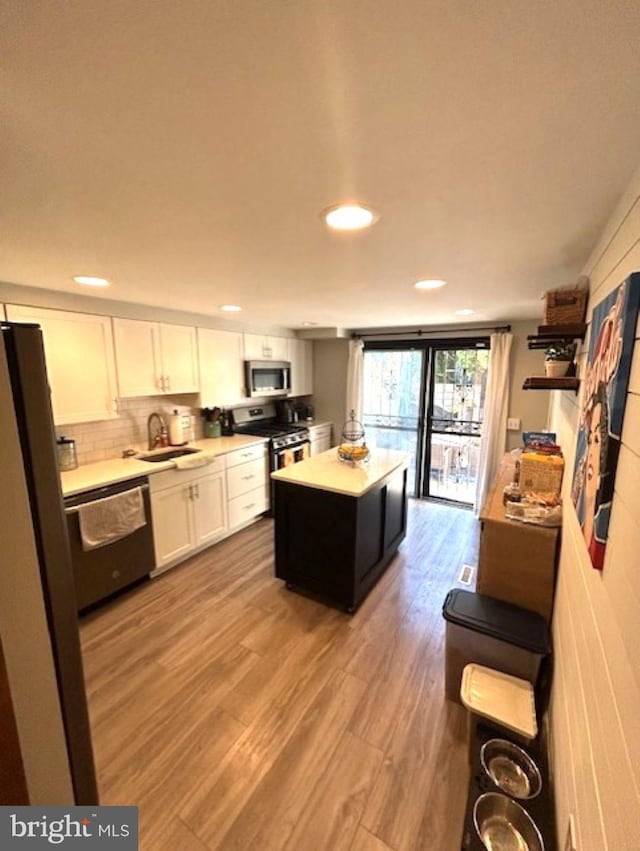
x,y
429,284
349,217
90,281
466,311
230,308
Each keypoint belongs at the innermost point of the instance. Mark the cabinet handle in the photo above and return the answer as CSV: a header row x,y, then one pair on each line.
x,y
190,491
197,490
247,507
160,382
168,380
246,478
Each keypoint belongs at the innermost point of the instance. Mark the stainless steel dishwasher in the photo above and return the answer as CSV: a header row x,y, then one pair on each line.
x,y
102,571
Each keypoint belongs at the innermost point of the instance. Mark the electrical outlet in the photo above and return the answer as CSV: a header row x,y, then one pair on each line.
x,y
513,424
570,839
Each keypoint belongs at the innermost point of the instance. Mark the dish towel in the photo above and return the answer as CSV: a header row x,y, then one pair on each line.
x,y
107,520
190,462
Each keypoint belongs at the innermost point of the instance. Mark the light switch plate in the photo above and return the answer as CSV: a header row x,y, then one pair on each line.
x,y
513,424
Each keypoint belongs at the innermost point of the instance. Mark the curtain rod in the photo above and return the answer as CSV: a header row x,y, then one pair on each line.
x,y
421,331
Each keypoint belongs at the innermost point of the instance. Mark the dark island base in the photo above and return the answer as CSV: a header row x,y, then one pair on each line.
x,y
338,546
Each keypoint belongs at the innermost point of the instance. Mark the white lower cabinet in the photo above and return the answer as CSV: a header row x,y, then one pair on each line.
x,y
247,484
173,536
189,510
209,508
194,508
247,507
320,438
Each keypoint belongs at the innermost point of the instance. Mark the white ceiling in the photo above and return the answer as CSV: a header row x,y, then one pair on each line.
x,y
185,149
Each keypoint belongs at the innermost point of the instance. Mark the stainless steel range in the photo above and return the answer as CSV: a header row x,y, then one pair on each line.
x,y
288,443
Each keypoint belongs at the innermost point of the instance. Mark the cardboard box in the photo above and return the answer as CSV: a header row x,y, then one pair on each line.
x,y
517,561
541,473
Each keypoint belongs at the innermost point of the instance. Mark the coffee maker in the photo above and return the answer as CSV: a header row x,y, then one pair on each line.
x,y
285,411
227,422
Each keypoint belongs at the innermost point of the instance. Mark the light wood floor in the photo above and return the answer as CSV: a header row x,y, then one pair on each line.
x,y
239,715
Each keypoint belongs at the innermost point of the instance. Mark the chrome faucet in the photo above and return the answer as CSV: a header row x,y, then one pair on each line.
x,y
155,439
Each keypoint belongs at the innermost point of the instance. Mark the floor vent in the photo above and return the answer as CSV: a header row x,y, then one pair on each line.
x,y
466,574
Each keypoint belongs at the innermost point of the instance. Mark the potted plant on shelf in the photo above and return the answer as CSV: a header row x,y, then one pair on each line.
x,y
559,358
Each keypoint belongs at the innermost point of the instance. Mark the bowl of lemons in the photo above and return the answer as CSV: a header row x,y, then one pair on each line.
x,y
353,453
353,449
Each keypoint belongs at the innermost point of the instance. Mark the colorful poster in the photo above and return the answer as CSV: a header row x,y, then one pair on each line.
x,y
604,394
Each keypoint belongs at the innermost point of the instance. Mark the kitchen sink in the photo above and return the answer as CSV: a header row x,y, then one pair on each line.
x,y
165,455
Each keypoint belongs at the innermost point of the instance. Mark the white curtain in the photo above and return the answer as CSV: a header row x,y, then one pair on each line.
x,y
355,371
493,442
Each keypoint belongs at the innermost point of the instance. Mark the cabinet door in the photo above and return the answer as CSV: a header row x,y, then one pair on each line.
x,y
138,357
260,347
301,356
307,371
210,508
221,367
277,348
179,358
395,495
255,346
173,525
80,363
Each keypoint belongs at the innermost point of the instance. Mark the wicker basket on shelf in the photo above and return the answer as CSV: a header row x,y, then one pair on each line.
x,y
565,307
353,448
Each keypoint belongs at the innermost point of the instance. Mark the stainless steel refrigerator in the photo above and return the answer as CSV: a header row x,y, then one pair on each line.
x,y
39,634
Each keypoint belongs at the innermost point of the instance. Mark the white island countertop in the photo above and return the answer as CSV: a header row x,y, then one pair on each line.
x,y
101,473
327,472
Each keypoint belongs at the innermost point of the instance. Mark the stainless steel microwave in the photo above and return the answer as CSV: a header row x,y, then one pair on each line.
x,y
267,378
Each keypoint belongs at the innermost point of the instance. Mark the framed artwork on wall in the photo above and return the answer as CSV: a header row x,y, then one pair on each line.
x,y
604,395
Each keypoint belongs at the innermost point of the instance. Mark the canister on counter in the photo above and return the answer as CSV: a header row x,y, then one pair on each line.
x,y
67,457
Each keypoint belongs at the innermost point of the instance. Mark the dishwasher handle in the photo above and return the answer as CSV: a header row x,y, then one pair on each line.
x,y
75,508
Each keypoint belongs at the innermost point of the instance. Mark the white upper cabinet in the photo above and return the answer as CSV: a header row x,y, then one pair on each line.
x,y
221,367
80,364
179,347
155,358
301,357
261,347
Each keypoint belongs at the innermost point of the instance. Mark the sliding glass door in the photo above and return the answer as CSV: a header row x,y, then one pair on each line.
x,y
393,402
428,400
457,386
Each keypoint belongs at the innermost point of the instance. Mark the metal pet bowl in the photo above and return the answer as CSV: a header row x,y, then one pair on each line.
x,y
511,769
503,825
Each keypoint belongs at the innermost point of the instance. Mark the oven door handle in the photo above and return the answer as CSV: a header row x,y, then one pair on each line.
x,y
75,508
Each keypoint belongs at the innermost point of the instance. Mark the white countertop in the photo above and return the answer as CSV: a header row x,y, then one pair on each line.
x,y
327,472
103,473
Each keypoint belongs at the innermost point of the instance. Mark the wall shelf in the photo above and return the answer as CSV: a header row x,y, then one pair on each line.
x,y
548,334
541,382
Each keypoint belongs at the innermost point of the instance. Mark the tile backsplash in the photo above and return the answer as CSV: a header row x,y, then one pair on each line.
x,y
99,441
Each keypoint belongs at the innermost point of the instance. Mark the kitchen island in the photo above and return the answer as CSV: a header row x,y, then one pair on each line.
x,y
338,526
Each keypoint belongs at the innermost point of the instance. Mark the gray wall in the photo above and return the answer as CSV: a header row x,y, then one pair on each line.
x,y
529,406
